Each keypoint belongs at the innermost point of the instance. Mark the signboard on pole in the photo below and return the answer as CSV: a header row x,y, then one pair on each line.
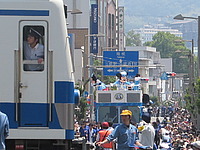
x,y
120,58
121,28
164,76
94,29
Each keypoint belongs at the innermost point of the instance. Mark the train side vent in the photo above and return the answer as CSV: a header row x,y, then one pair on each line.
x,y
104,98
133,98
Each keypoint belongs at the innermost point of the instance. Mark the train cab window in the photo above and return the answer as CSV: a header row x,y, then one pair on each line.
x,y
33,48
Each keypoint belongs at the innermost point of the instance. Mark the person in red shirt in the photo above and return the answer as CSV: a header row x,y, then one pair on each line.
x,y
101,136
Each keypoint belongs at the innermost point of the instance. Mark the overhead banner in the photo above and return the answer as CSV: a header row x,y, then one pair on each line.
x,y
129,59
94,29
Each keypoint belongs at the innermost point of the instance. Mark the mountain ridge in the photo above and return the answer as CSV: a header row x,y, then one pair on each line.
x,y
141,12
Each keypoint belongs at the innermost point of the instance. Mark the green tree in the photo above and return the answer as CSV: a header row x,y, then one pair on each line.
x,y
197,97
82,107
98,73
193,100
133,39
170,46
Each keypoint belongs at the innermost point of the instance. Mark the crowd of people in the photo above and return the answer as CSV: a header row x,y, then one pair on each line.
x,y
177,131
174,131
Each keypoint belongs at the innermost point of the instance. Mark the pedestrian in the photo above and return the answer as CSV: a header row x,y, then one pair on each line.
x,y
4,130
82,130
91,134
157,135
125,133
103,134
147,135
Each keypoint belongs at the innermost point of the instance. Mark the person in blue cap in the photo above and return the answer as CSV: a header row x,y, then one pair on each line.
x,y
122,82
33,50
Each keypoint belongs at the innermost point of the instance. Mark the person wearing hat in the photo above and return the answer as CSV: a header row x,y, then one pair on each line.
x,y
103,134
125,133
122,82
98,83
147,131
33,50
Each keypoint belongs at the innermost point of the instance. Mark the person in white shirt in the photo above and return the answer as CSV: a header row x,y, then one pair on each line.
x,y
147,131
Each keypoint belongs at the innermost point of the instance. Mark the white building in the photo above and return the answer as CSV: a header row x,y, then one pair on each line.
x,y
149,60
165,90
147,33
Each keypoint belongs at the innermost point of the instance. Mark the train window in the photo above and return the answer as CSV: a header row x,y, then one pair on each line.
x,y
33,48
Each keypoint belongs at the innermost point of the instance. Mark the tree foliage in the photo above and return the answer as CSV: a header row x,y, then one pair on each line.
x,y
193,99
170,46
133,39
81,112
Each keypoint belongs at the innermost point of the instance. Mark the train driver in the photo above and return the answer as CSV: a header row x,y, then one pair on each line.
x,y
33,50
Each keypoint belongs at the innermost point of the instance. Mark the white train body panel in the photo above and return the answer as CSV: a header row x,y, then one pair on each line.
x,y
40,101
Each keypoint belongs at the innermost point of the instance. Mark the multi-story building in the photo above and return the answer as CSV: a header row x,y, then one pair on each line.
x,y
189,28
147,33
81,26
150,68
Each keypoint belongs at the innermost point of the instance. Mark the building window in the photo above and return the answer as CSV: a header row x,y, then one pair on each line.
x,y
109,21
109,42
113,21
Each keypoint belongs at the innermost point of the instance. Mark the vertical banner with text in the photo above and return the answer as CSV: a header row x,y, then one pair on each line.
x,y
121,28
94,29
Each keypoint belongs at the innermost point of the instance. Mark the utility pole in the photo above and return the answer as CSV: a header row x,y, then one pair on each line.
x,y
198,47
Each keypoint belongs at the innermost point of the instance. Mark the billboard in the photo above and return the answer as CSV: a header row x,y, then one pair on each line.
x,y
121,27
120,58
94,29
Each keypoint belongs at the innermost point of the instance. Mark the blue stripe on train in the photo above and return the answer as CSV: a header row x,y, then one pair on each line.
x,y
24,12
10,110
30,118
33,115
64,92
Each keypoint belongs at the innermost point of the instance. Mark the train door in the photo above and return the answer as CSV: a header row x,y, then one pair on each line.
x,y
33,92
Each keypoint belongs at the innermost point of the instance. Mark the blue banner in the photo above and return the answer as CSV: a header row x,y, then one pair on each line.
x,y
94,29
120,58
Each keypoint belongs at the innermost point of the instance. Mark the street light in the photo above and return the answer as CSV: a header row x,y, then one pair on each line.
x,y
180,17
191,72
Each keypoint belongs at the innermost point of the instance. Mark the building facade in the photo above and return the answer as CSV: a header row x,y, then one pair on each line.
x,y
81,26
189,28
150,68
147,33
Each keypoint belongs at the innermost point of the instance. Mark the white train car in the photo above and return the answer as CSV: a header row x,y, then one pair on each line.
x,y
39,103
